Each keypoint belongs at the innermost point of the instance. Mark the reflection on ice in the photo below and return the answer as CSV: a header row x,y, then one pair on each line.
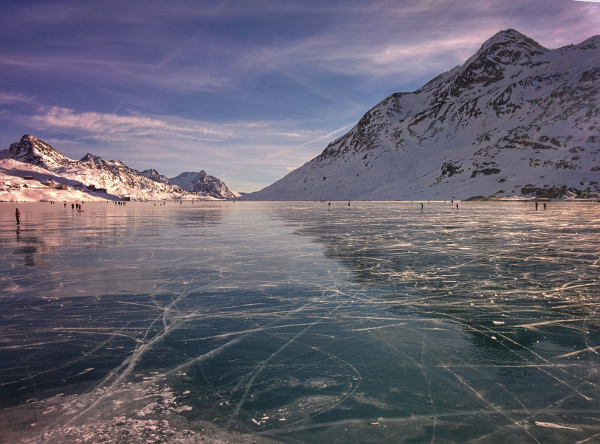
x,y
300,322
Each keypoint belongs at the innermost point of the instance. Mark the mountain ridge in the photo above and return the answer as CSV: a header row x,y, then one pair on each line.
x,y
515,119
117,179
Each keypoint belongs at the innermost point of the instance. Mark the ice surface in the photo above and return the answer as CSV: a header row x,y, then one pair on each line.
x,y
300,322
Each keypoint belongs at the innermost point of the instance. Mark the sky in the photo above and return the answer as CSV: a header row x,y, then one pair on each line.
x,y
247,90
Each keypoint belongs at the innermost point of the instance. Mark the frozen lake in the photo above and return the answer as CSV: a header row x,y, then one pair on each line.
x,y
300,322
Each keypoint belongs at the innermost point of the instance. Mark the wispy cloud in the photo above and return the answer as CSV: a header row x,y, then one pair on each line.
x,y
10,98
108,126
320,140
155,140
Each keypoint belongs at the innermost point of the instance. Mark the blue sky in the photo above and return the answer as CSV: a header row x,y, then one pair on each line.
x,y
247,90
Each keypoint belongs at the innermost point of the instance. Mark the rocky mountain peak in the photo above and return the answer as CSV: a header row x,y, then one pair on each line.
x,y
155,176
508,43
96,161
90,158
591,43
495,59
32,150
203,183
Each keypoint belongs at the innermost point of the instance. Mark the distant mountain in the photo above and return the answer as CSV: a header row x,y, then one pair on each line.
x,y
155,176
93,172
204,184
515,119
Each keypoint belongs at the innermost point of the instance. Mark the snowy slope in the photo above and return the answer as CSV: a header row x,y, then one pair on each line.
x,y
15,188
515,119
91,173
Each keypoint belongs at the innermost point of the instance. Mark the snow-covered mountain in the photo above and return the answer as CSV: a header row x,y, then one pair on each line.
x,y
92,173
515,119
204,184
36,152
155,176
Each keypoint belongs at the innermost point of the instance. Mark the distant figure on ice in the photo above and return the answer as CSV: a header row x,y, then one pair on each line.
x,y
18,216
544,206
536,205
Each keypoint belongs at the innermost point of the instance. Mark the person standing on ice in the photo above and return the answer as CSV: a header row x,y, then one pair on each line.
x,y
18,216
